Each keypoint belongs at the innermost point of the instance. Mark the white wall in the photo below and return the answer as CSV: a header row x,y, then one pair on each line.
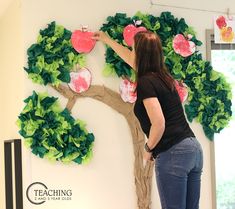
x,y
107,182
4,4
11,79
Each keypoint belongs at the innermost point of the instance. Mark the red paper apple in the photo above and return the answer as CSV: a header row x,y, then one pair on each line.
x,y
221,22
182,90
127,91
80,81
183,46
82,41
129,33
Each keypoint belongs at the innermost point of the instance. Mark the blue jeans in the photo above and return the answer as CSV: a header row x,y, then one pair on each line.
x,y
178,175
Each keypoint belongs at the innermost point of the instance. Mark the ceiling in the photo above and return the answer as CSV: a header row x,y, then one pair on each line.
x,y
4,5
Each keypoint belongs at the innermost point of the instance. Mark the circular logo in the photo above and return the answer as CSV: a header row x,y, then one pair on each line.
x,y
37,193
34,193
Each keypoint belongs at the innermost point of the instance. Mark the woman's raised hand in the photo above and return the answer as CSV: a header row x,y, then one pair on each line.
x,y
101,36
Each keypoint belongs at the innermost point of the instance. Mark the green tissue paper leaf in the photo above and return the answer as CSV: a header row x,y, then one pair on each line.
x,y
53,133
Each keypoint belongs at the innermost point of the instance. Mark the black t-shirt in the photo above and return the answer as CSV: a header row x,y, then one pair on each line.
x,y
176,125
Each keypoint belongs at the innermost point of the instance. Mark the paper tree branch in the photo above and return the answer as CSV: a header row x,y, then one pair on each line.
x,y
143,175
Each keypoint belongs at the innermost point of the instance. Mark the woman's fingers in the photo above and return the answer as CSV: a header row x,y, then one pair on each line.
x,y
100,36
96,36
148,156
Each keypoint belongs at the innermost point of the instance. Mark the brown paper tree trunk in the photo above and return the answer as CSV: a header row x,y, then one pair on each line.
x,y
143,175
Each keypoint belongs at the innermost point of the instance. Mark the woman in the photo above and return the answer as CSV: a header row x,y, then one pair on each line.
x,y
171,142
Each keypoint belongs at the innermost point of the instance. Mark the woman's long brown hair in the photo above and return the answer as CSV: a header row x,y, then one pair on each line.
x,y
149,57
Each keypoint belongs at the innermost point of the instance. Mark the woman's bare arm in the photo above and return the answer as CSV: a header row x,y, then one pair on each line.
x,y
123,52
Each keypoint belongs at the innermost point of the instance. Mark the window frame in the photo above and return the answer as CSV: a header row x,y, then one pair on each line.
x,y
211,45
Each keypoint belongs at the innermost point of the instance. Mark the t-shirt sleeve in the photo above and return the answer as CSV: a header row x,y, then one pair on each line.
x,y
145,89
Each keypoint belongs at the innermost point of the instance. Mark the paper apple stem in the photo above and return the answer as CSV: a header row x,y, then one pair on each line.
x,y
77,67
137,22
84,28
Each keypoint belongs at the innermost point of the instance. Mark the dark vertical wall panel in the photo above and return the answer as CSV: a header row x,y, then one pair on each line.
x,y
8,175
18,174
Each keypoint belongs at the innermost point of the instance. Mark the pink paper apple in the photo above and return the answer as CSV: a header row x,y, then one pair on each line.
x,y
80,81
127,91
182,46
129,33
182,90
82,41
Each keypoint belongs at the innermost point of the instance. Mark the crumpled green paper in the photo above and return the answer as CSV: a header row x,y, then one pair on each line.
x,y
209,100
53,133
51,59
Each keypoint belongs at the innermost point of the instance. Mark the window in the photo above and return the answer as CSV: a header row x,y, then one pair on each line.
x,y
223,60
